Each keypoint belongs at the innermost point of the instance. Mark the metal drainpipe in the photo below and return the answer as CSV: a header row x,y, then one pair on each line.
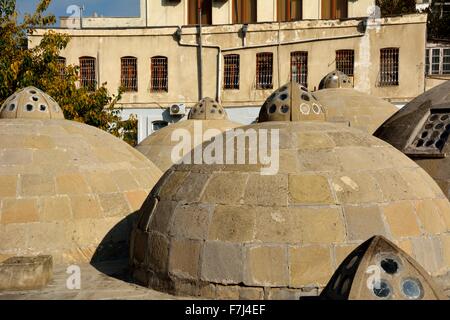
x,y
200,38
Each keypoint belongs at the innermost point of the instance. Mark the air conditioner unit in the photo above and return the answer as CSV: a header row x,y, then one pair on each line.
x,y
177,109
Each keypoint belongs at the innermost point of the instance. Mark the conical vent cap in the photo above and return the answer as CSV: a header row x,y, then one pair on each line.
x,y
30,103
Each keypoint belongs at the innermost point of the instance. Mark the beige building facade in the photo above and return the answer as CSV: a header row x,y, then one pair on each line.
x,y
157,56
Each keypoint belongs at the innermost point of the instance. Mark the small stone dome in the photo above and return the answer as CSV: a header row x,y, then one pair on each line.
x,y
421,130
354,108
335,79
30,103
227,231
67,189
207,109
158,147
291,102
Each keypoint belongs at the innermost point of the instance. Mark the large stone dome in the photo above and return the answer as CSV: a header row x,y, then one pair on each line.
x,y
206,116
421,130
354,108
64,186
227,231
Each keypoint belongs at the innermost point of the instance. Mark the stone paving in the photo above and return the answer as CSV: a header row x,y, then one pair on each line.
x,y
95,285
112,283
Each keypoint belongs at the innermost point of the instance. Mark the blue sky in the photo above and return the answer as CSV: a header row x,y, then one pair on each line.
x,y
107,8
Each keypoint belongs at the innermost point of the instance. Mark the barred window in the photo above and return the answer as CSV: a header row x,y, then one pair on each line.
x,y
61,61
264,70
159,74
389,61
128,77
88,77
231,71
345,61
299,67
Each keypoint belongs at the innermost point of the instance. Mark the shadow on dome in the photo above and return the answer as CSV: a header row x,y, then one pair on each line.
x,y
111,256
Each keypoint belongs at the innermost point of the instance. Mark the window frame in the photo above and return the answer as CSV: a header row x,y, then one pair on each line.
x,y
249,12
89,83
287,15
125,76
442,55
303,74
333,8
62,64
161,85
231,71
261,74
385,72
345,61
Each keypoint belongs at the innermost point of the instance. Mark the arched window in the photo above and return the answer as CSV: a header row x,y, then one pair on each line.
x,y
231,71
88,76
128,74
159,74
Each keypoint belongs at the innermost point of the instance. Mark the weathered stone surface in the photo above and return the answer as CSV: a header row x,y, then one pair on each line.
x,y
364,222
19,211
266,266
310,266
184,258
310,189
266,190
216,193
430,217
56,208
191,221
25,273
8,186
222,262
71,183
239,222
401,219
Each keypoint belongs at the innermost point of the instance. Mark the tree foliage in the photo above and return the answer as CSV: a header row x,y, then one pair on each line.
x,y
22,65
438,22
396,7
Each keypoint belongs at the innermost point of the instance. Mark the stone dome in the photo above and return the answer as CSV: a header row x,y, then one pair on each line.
x,y
64,187
30,103
354,108
226,231
207,116
207,109
335,79
291,102
421,130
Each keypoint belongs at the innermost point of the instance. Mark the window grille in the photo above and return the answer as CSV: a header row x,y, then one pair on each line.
x,y
128,78
299,67
159,76
231,71
345,61
88,77
264,70
389,61
61,67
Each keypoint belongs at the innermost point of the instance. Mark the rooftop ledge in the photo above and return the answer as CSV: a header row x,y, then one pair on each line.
x,y
418,18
